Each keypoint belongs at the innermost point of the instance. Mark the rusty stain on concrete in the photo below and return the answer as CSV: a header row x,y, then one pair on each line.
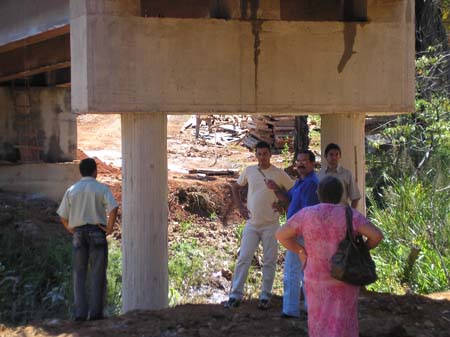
x,y
256,30
349,32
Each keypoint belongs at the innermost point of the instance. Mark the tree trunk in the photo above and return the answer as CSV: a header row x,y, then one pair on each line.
x,y
301,141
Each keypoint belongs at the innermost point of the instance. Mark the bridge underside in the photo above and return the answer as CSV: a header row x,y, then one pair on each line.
x,y
146,59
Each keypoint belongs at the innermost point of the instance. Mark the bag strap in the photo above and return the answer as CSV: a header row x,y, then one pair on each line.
x,y
349,220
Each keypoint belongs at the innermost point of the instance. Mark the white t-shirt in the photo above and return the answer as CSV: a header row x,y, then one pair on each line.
x,y
86,202
259,197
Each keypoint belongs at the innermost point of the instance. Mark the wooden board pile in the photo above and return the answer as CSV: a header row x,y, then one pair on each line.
x,y
275,130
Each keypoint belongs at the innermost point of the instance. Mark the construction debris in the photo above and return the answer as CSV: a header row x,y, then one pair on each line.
x,y
216,129
214,172
223,129
275,130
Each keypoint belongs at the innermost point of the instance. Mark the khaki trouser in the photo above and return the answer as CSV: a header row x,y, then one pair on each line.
x,y
251,238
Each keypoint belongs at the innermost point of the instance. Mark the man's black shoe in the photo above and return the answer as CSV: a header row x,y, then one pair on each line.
x,y
96,318
264,304
232,303
79,319
286,316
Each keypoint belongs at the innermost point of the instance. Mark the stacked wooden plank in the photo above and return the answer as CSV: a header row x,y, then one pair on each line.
x,y
275,130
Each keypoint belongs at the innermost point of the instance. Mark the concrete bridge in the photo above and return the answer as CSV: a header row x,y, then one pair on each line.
x,y
340,59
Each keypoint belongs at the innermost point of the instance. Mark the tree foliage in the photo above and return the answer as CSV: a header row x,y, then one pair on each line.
x,y
409,165
430,27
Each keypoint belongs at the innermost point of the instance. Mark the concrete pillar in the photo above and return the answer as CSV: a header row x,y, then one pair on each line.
x,y
347,130
144,219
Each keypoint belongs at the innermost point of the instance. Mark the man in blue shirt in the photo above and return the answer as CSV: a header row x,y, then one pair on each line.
x,y
302,194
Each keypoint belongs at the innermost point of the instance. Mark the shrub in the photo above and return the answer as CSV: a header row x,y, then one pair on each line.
x,y
415,220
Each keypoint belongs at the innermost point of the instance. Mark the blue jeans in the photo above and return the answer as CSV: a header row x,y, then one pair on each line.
x,y
89,248
292,281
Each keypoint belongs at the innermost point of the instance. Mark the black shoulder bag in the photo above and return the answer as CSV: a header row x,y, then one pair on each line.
x,y
352,262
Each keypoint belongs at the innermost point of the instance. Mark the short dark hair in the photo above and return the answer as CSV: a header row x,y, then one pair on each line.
x,y
330,190
262,145
311,155
332,146
87,167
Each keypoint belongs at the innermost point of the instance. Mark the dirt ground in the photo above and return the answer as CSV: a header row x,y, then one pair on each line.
x,y
197,197
381,315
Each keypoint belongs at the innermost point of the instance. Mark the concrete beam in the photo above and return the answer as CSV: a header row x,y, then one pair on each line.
x,y
104,7
204,66
50,34
289,10
35,71
35,58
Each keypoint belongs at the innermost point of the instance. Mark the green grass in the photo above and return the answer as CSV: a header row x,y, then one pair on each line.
x,y
35,281
213,216
286,155
190,265
414,215
238,231
114,279
185,225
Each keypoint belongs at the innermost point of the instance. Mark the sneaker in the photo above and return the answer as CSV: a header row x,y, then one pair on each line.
x,y
232,303
263,304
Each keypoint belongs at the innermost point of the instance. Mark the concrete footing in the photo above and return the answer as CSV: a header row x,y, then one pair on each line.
x,y
49,180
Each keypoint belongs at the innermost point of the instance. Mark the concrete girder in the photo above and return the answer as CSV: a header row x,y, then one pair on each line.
x,y
204,66
32,59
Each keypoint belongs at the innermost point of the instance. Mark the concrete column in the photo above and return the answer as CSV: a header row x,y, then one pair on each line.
x,y
144,219
347,130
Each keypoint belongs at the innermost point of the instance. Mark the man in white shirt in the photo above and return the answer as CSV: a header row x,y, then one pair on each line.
x,y
262,223
83,212
351,193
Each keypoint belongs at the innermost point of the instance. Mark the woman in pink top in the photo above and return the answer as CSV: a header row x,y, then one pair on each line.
x,y
332,304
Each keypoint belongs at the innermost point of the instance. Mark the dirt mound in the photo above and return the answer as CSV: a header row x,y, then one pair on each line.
x,y
102,168
209,198
192,198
